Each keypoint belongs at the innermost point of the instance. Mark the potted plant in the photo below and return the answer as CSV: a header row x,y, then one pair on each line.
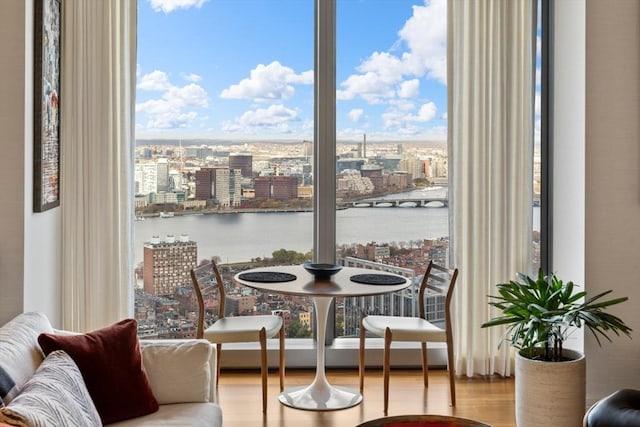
x,y
539,313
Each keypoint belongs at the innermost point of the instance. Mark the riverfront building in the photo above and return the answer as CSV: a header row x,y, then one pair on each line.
x,y
221,184
276,187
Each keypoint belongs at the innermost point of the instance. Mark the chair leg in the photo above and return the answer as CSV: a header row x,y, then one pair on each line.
x,y
386,356
425,365
361,356
263,367
281,368
452,374
219,354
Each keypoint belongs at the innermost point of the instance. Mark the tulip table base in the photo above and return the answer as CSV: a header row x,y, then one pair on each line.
x,y
314,398
320,395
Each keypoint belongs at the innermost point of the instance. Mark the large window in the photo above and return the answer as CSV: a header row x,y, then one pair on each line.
x,y
225,129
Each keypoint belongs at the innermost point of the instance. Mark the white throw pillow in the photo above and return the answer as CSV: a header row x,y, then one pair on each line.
x,y
54,396
178,370
20,354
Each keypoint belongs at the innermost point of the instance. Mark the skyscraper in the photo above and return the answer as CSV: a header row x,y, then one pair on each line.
x,y
204,184
163,174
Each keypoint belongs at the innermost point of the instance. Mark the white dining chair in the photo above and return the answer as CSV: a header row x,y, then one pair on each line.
x,y
416,329
236,329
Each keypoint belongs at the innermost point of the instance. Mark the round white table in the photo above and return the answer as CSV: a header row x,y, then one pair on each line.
x,y
320,395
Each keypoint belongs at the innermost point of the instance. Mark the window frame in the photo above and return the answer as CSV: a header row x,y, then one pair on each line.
x,y
343,352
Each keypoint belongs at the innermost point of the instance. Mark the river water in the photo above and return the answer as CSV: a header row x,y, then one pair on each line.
x,y
237,237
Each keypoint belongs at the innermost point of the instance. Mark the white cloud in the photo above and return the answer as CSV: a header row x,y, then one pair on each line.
x,y
155,80
176,107
267,83
194,78
393,119
168,6
404,105
409,89
356,114
191,95
370,86
426,36
274,119
426,113
383,75
537,105
270,116
401,119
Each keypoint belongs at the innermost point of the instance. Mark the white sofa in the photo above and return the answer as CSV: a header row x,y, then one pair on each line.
x,y
180,372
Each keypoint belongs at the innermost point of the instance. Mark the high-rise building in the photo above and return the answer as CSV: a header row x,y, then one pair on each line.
x,y
146,178
276,187
163,174
204,184
374,173
228,186
242,161
222,184
167,264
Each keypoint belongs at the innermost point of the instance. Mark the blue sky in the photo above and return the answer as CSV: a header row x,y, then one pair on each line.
x,y
243,69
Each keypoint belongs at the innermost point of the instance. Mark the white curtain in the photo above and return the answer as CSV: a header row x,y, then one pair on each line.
x,y
491,78
97,142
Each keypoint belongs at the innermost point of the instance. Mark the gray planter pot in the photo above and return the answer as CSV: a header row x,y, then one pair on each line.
x,y
550,393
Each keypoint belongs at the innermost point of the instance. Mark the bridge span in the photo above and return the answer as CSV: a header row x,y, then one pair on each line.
x,y
422,202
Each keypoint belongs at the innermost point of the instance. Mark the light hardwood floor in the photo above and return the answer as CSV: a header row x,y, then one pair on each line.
x,y
488,400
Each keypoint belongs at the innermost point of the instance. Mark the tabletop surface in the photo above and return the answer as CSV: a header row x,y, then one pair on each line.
x,y
340,284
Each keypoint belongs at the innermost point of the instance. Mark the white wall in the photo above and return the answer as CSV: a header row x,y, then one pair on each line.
x,y
568,151
612,185
29,242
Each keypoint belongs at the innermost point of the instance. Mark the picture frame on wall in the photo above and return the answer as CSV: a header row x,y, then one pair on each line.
x,y
46,147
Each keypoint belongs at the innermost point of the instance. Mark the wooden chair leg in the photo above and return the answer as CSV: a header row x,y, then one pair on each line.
x,y
452,374
386,356
361,356
263,367
281,368
219,356
425,365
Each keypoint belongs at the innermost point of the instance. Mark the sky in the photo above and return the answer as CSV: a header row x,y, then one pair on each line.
x,y
243,69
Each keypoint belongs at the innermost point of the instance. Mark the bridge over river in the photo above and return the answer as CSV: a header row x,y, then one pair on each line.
x,y
415,202
421,202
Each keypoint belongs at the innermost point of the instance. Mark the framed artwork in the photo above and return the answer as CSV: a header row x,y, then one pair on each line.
x,y
46,147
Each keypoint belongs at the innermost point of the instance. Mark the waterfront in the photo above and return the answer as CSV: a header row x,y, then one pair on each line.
x,y
239,237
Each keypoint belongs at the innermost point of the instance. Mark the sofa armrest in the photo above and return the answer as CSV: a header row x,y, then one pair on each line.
x,y
180,370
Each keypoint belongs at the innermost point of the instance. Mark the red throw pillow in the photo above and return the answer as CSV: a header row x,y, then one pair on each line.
x,y
111,365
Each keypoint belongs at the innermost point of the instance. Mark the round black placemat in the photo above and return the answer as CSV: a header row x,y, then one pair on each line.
x,y
267,277
377,279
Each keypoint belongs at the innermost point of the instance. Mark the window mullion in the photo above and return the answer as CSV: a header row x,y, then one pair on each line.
x,y
324,147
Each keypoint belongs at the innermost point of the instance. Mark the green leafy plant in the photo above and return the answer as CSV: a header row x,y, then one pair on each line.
x,y
540,312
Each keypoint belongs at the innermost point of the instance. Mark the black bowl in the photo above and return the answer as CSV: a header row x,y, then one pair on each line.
x,y
322,271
